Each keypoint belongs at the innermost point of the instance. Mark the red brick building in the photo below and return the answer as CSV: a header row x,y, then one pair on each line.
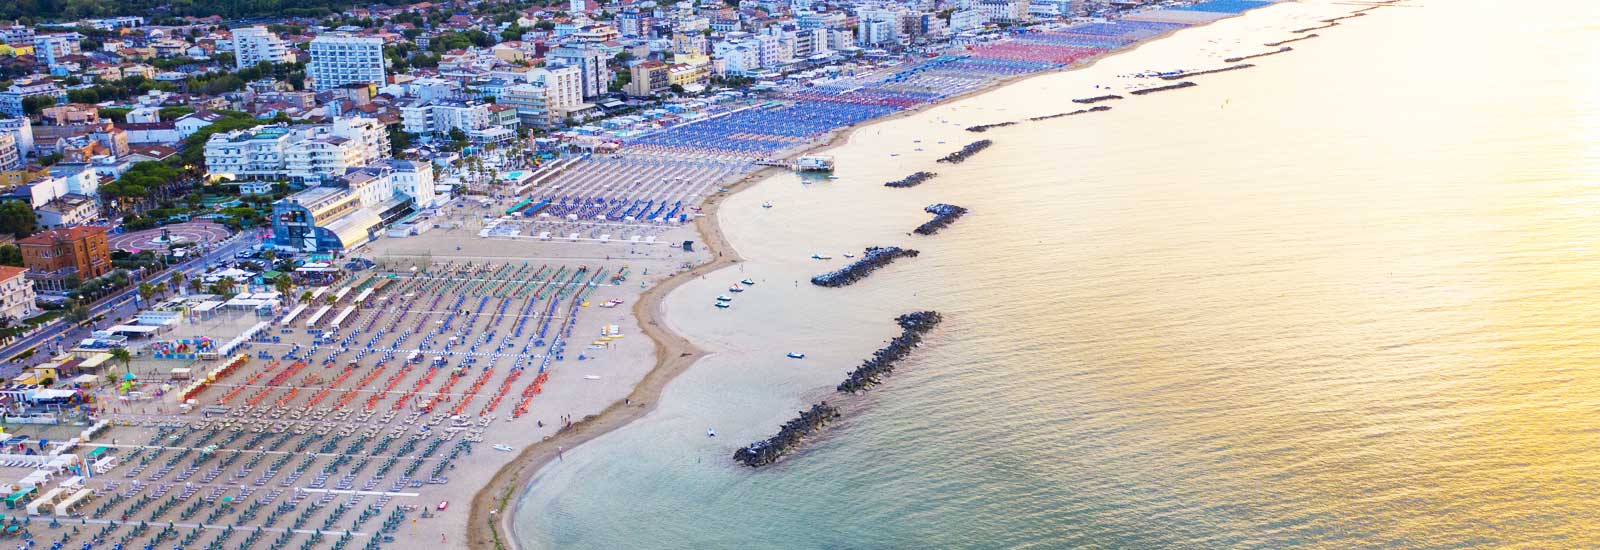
x,y
53,257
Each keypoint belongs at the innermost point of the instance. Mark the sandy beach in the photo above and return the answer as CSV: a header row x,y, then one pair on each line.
x,y
657,308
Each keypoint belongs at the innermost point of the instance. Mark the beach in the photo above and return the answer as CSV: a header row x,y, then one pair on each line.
x,y
739,349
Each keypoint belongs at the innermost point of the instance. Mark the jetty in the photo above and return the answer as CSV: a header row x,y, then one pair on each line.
x,y
1094,109
1263,54
789,436
912,180
967,152
1184,84
871,372
1212,71
1097,99
1296,39
986,127
874,258
943,215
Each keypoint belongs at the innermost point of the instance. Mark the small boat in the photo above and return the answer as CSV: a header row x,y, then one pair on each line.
x,y
724,298
919,148
796,355
767,204
503,447
711,432
833,177
849,255
821,256
723,305
735,288
747,282
591,377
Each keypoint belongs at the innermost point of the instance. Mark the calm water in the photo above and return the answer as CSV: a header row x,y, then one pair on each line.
x,y
1348,298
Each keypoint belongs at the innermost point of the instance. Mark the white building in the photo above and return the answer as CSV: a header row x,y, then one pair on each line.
x,y
16,294
50,48
10,155
415,180
303,153
590,63
252,45
338,59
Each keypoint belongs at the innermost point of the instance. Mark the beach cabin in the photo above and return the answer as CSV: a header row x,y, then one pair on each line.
x,y
72,503
44,502
23,495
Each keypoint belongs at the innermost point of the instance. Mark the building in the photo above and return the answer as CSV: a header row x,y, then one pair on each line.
x,y
71,209
338,59
349,211
648,78
10,154
16,295
50,48
1005,11
70,114
253,45
58,259
11,100
21,131
304,153
591,65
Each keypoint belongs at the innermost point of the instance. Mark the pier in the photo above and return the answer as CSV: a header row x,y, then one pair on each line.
x,y
912,180
1097,99
874,258
789,436
1184,84
1263,54
943,216
967,152
1198,73
871,372
1297,39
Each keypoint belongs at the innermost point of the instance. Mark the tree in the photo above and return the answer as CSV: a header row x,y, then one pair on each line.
x,y
33,105
676,88
121,355
223,287
196,285
399,141
10,255
283,284
176,282
76,313
305,296
18,218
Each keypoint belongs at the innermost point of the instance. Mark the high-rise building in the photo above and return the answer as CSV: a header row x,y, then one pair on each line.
x,y
338,59
591,64
252,45
50,48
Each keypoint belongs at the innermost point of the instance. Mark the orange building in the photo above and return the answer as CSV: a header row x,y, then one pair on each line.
x,y
54,256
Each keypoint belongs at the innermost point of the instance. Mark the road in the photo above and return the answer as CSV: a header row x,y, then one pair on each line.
x,y
115,307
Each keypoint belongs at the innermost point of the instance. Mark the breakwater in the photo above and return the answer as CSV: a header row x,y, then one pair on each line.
x,y
1263,54
1297,39
874,258
1352,15
1198,73
1309,29
871,372
986,127
1184,84
966,152
943,215
1097,99
912,180
789,436
1070,113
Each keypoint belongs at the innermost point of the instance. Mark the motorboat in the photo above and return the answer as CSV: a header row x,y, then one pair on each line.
x,y
503,447
747,282
723,305
711,432
821,256
796,355
735,288
724,298
849,255
767,204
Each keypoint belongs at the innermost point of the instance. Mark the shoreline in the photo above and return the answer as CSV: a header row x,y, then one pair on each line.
x,y
499,499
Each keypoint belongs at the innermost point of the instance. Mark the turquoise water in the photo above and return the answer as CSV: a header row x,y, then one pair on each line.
x,y
1347,298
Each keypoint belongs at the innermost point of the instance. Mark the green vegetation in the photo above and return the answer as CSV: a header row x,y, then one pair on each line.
x,y
10,255
18,219
194,146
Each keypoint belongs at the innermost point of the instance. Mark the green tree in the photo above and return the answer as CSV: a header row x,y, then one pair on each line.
x,y
176,281
223,287
18,218
76,313
35,104
283,284
10,255
148,291
121,355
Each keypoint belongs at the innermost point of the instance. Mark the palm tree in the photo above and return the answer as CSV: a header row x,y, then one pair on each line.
x,y
147,291
223,287
77,313
305,296
283,284
121,355
196,285
176,282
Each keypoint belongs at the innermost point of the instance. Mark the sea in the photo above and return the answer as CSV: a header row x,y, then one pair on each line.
x,y
1346,298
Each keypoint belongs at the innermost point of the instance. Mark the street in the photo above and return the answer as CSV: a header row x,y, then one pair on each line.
x,y
115,308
